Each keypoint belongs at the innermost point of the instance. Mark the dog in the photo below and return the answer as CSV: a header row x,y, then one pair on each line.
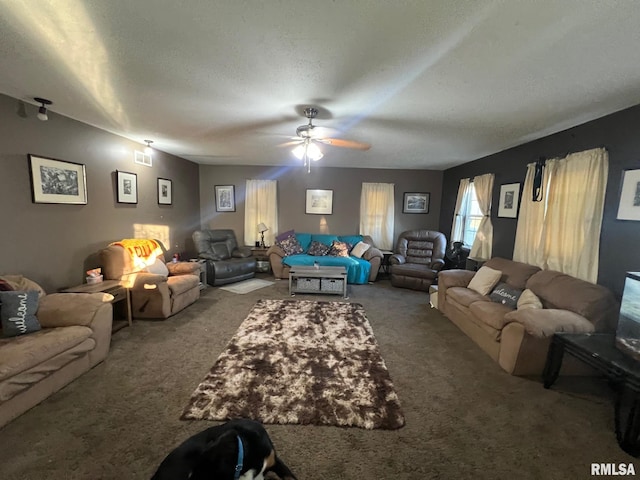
x,y
239,449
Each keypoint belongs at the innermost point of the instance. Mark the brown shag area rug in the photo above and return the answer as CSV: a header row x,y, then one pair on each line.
x,y
300,362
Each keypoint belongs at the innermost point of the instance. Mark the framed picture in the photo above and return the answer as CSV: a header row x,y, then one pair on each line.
x,y
629,207
57,181
319,202
164,191
225,198
416,202
509,198
127,187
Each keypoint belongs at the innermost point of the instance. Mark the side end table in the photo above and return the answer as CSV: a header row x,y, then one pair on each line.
x,y
121,296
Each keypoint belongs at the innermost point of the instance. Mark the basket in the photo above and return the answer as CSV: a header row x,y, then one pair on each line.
x,y
312,284
332,285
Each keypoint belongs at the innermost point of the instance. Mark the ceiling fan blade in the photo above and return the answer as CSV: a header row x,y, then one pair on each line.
x,y
339,142
291,143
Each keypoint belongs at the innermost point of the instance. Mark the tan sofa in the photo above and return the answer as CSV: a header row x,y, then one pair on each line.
x,y
75,336
519,339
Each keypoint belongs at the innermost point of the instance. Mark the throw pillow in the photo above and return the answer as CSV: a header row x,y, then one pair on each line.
x,y
318,249
18,312
359,249
339,249
290,246
158,267
528,299
484,280
505,294
285,235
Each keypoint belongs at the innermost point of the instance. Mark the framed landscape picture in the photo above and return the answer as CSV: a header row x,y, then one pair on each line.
x,y
629,206
319,202
416,202
509,198
164,191
57,181
225,198
127,187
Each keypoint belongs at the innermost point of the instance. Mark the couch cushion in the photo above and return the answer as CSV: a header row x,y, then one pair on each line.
x,y
546,322
22,353
491,313
182,283
514,273
18,312
464,296
594,302
415,270
505,294
484,280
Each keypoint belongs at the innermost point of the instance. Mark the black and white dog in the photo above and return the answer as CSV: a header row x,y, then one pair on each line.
x,y
239,449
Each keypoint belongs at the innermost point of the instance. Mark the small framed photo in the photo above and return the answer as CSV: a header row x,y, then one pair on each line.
x,y
57,181
164,191
509,198
127,187
629,206
225,198
319,202
416,202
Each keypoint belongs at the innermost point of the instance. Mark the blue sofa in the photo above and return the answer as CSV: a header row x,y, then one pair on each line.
x,y
359,270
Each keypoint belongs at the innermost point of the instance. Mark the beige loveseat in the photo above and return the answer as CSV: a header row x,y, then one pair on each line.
x,y
75,336
519,339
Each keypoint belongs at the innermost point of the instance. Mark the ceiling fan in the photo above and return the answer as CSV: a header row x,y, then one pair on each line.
x,y
308,136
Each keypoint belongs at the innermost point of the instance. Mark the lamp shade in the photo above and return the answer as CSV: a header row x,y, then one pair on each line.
x,y
262,227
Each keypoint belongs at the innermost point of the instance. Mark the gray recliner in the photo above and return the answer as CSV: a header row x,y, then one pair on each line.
x,y
418,258
226,261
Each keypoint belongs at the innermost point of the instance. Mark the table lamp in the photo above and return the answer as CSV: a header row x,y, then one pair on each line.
x,y
262,228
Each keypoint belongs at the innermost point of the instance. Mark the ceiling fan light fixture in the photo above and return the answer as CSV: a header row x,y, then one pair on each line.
x,y
313,152
299,151
42,111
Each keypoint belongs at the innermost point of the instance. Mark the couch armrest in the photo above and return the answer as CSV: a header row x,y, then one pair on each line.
x,y
66,309
397,259
455,278
183,268
544,322
138,280
276,250
241,252
372,252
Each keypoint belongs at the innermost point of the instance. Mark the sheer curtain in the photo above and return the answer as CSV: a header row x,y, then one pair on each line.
x,y
377,213
483,243
261,206
563,231
457,227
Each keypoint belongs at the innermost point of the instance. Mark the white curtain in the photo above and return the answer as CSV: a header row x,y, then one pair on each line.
x,y
457,227
377,213
261,206
563,232
483,243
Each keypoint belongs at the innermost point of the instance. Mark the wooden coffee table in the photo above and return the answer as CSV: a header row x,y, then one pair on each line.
x,y
327,280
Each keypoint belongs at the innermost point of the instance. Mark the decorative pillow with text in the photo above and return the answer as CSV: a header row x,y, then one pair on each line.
x,y
18,312
505,294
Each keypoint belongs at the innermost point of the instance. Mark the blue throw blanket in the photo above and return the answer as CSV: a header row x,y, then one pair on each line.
x,y
357,268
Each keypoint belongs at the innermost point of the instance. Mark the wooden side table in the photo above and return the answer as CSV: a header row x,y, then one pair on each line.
x,y
112,287
262,260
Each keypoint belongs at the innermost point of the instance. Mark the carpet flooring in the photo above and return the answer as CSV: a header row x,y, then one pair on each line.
x,y
465,417
300,362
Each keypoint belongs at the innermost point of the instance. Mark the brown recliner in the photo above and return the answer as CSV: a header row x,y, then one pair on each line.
x,y
418,259
153,295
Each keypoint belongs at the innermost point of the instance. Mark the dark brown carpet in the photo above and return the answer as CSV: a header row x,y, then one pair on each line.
x,y
465,417
300,362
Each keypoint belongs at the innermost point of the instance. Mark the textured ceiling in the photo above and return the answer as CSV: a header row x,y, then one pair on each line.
x,y
429,84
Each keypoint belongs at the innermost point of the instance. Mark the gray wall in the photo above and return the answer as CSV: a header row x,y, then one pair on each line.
x,y
292,184
55,244
619,240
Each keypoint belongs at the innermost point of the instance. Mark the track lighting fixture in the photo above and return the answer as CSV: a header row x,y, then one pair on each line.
x,y
148,150
42,111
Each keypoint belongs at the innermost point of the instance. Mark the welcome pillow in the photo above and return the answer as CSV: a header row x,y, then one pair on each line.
x,y
484,280
18,312
506,295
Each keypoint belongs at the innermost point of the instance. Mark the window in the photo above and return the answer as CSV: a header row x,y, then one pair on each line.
x,y
471,216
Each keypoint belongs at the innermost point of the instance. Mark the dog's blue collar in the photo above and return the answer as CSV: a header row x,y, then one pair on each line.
x,y
240,461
